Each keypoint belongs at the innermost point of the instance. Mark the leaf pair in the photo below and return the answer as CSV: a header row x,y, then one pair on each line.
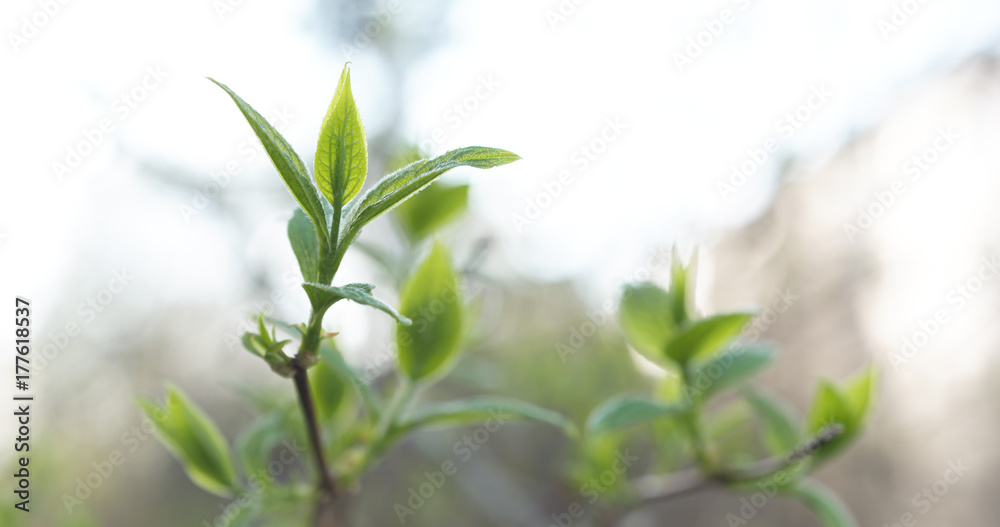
x,y
195,441
847,405
657,326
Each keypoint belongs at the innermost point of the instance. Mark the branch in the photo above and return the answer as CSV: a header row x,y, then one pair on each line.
x,y
327,489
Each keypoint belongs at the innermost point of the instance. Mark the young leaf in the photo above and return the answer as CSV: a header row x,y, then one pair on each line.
x,y
328,389
625,411
481,409
829,510
646,317
342,152
255,444
288,163
730,368
195,441
703,338
305,245
431,298
678,289
332,357
859,393
403,183
830,407
780,431
431,209
323,296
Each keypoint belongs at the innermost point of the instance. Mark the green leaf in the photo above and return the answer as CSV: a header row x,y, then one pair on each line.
x,y
255,444
829,510
332,357
195,441
859,393
481,409
646,317
780,431
342,152
328,389
703,338
730,368
431,298
305,244
624,411
403,183
830,407
285,160
679,288
323,296
432,208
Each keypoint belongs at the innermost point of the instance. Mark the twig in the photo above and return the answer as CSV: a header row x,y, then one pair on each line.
x,y
327,489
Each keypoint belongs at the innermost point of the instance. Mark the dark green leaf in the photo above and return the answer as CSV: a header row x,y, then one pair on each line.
x,y
625,411
288,163
646,317
305,244
194,439
431,298
323,296
729,368
703,338
342,152
431,208
482,409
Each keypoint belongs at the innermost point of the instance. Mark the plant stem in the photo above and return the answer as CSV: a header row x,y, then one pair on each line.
x,y
693,422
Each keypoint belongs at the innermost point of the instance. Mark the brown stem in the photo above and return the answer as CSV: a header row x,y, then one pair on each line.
x,y
327,489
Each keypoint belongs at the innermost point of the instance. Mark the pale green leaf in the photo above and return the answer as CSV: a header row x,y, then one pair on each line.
x,y
703,338
403,183
431,298
431,209
194,439
646,317
342,152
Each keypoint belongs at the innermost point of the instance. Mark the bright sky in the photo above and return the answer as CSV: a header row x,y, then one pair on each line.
x,y
593,96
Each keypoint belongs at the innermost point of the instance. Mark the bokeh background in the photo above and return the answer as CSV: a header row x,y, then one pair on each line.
x,y
873,207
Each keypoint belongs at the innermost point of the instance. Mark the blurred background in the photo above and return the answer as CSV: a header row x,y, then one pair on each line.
x,y
836,161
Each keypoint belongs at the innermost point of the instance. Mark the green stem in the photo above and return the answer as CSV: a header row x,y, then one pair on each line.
x,y
692,421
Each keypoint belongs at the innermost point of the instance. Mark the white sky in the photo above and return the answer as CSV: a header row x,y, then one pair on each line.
x,y
557,87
